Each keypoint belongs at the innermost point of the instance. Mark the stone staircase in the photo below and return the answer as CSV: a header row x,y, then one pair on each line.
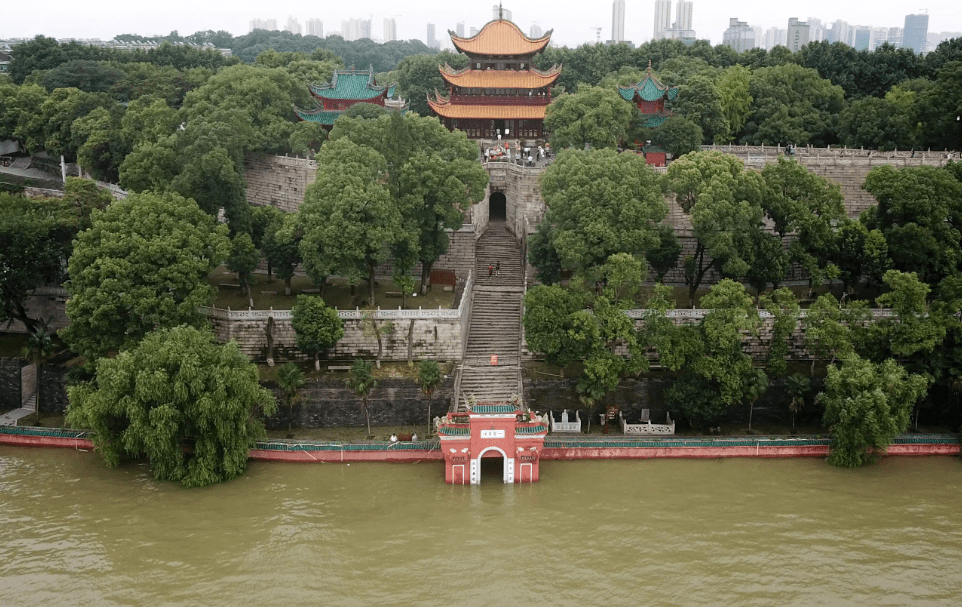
x,y
12,418
495,327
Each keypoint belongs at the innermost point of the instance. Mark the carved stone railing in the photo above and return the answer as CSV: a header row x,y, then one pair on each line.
x,y
355,314
565,425
699,314
647,428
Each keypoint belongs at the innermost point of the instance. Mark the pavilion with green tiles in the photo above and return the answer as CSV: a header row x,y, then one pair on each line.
x,y
649,96
347,87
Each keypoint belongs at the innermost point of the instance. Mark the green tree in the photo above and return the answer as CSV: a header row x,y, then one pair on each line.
x,y
832,330
866,407
291,380
418,77
792,104
723,201
348,215
243,259
858,252
548,318
429,378
281,246
735,98
798,387
679,135
915,328
432,176
39,349
33,248
361,381
919,212
784,309
879,124
316,326
143,265
88,76
187,403
594,116
600,203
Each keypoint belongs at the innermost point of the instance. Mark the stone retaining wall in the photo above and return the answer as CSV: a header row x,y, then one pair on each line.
x,y
10,396
328,403
278,181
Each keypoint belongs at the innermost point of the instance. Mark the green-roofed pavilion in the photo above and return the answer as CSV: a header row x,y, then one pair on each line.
x,y
347,87
649,96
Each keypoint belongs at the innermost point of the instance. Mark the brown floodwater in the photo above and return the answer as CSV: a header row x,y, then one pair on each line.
x,y
609,533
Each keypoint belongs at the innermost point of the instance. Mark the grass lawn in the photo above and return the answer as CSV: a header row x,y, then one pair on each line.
x,y
269,293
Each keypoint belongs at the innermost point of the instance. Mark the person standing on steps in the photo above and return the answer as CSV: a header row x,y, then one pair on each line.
x,y
497,269
490,270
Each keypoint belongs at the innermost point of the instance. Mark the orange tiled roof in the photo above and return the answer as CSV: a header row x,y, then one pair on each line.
x,y
503,79
500,37
487,112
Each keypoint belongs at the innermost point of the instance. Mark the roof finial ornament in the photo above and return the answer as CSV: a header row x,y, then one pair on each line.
x,y
500,11
649,66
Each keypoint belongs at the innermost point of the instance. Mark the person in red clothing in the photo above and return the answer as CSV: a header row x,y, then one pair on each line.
x,y
490,270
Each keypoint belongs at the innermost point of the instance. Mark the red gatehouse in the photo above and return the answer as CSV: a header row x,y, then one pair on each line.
x,y
492,430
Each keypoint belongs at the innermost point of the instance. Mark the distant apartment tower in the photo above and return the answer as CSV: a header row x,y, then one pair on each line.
x,y
474,32
816,30
536,31
862,40
775,37
683,15
355,29
264,24
618,21
292,26
895,37
390,30
315,27
739,36
880,35
497,12
797,36
459,29
840,32
915,33
662,18
432,41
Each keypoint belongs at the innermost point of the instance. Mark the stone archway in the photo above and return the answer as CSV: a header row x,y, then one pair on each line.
x,y
507,467
497,207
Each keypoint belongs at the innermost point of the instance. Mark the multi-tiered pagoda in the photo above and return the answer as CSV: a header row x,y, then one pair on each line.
x,y
649,96
346,88
499,91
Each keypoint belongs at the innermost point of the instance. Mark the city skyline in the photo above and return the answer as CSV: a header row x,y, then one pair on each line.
x,y
571,27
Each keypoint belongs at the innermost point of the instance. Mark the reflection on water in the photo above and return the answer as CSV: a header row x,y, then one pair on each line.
x,y
669,532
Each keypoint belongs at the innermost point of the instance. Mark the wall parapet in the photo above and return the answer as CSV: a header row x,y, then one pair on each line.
x,y
697,314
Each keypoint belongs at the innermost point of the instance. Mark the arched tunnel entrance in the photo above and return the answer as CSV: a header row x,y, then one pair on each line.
x,y
497,207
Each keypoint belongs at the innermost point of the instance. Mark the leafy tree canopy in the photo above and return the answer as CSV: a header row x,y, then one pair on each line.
x,y
142,265
187,403
594,116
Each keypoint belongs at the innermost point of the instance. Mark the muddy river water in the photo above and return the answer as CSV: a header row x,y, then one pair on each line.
x,y
608,533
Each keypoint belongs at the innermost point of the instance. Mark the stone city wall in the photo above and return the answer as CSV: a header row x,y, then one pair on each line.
x,y
47,303
278,181
10,383
431,334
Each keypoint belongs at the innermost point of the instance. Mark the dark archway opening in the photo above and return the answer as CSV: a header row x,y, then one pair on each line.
x,y
497,207
492,468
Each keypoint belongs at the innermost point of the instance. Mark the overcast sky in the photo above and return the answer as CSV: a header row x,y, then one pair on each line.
x,y
573,22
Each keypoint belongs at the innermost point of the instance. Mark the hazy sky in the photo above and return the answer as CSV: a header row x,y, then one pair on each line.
x,y
572,21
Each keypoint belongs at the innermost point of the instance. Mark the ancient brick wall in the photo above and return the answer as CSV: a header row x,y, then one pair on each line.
x,y
278,181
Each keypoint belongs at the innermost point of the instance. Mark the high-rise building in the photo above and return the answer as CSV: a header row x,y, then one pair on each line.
x,y
390,29
292,26
880,35
797,35
264,24
915,33
739,36
816,30
895,37
536,31
683,15
431,40
459,29
774,37
355,29
474,32
662,18
863,38
315,27
618,21
840,32
499,12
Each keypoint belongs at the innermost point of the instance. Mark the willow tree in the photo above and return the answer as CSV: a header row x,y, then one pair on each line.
x,y
190,405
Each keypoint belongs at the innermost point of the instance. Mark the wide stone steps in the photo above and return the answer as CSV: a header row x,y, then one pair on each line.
x,y
495,321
